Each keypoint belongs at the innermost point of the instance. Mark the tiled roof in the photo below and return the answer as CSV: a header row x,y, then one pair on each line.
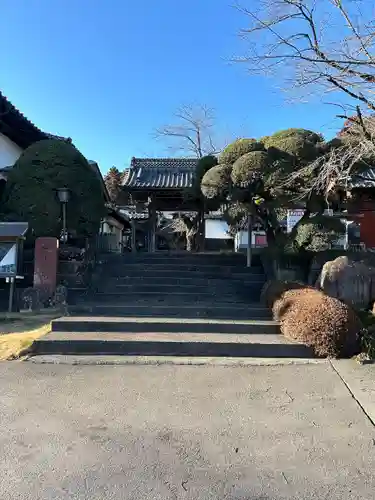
x,y
118,215
138,216
16,126
59,137
162,173
132,214
365,179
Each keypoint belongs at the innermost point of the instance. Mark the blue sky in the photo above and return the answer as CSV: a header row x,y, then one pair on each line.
x,y
108,72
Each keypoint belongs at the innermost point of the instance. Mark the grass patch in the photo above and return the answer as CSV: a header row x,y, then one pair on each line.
x,y
18,332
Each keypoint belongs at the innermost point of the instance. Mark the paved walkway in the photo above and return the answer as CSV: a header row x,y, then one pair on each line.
x,y
182,432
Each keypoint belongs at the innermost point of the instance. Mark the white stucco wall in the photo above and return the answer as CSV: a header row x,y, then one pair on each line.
x,y
9,152
114,228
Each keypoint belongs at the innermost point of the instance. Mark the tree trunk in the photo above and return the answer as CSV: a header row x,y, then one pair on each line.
x,y
201,234
190,240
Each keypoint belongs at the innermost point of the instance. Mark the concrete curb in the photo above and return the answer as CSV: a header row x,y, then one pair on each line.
x,y
169,360
360,381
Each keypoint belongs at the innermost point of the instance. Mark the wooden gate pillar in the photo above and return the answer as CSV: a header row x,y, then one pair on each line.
x,y
133,236
152,212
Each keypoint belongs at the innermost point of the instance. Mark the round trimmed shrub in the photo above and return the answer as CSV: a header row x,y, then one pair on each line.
x,y
239,148
319,233
216,181
272,290
329,327
299,143
30,193
204,165
280,306
249,167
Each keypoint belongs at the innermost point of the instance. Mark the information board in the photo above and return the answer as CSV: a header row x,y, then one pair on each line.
x,y
293,216
8,259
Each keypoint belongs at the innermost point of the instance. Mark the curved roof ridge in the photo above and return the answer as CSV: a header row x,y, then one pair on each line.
x,y
163,162
164,158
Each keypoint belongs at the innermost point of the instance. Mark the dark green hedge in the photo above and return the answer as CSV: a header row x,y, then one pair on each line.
x,y
30,192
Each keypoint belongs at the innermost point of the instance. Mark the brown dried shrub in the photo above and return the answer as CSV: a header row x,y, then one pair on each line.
x,y
280,306
273,290
330,327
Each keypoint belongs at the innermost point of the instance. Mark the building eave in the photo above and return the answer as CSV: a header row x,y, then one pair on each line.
x,y
15,126
115,214
95,167
156,174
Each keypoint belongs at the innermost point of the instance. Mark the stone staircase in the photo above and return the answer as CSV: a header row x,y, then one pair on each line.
x,y
171,304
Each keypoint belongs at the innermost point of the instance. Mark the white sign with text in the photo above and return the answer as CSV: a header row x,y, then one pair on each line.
x,y
293,216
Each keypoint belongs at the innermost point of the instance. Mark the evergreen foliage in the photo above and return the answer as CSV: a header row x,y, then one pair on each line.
x,y
30,193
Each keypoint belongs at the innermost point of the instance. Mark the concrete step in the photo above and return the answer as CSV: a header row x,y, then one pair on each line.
x,y
169,344
183,263
181,266
139,287
160,273
236,258
166,325
187,257
188,280
124,360
201,310
178,297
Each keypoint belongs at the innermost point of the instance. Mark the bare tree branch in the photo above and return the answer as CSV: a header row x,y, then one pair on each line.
x,y
336,168
193,132
329,44
339,5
